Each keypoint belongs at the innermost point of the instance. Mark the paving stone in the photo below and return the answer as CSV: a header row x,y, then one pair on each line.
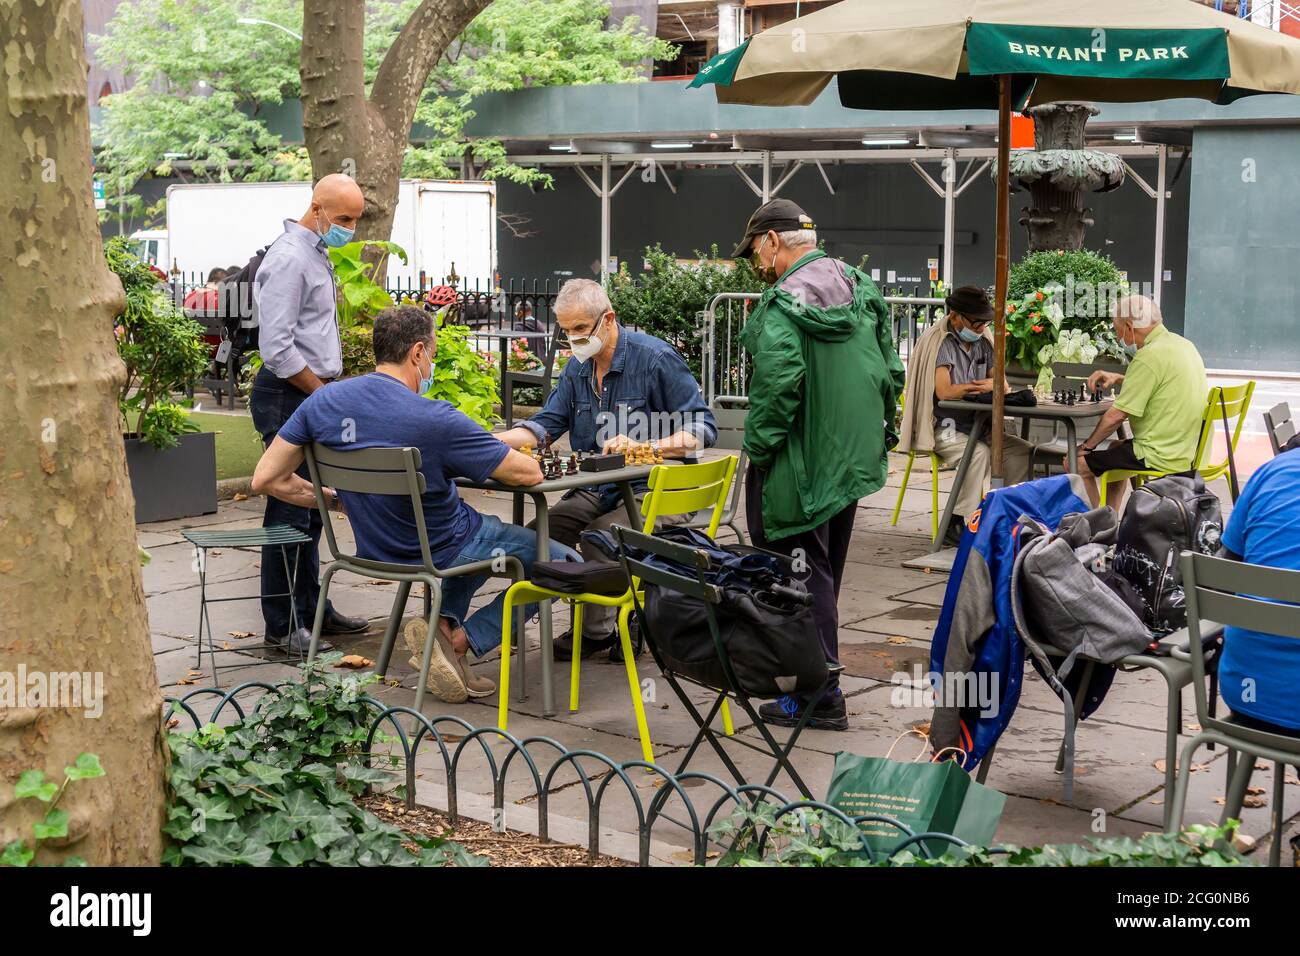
x,y
1117,749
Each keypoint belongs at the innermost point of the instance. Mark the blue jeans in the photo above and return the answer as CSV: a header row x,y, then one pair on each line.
x,y
494,539
271,402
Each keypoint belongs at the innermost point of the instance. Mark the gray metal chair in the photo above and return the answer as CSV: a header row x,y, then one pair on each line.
x,y
1233,593
729,413
389,471
729,518
543,378
1177,674
1280,426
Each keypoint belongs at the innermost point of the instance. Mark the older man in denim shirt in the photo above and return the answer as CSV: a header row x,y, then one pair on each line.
x,y
620,387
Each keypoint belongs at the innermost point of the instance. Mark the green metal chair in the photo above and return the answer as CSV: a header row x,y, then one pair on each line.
x,y
1236,594
389,471
1232,399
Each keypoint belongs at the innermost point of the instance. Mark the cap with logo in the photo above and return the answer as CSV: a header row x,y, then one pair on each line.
x,y
780,215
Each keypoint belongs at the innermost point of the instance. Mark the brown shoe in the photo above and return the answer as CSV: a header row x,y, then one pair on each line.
x,y
444,679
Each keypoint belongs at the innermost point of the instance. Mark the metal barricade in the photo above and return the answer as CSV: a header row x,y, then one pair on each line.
x,y
725,366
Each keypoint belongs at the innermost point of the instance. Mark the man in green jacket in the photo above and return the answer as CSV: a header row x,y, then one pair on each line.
x,y
821,410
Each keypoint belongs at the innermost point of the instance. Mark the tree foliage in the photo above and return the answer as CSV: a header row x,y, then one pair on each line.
x,y
202,82
200,79
519,44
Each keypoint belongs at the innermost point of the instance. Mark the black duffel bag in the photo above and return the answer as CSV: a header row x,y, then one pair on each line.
x,y
771,641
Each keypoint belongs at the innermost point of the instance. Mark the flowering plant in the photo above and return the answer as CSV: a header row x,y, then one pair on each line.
x,y
1032,324
1073,345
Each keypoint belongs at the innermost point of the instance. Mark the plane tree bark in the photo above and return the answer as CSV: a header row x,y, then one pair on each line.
x,y
71,598
365,136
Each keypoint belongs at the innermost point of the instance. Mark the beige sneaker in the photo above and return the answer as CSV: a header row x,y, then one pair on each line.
x,y
475,685
444,678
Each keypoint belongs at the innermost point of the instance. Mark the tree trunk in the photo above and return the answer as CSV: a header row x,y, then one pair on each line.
x,y
70,589
367,138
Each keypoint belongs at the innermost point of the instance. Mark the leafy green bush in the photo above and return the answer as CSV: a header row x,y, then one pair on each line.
x,y
278,787
1089,281
668,299
53,825
1060,293
814,838
162,348
463,376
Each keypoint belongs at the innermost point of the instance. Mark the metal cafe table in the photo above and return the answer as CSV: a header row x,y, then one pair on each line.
x,y
623,478
1067,415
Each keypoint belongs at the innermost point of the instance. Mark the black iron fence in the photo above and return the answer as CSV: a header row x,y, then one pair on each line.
x,y
539,760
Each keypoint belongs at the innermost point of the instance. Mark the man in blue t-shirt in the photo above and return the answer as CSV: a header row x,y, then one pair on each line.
x,y
1258,673
387,409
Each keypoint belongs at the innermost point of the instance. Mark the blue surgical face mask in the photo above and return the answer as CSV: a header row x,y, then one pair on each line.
x,y
426,382
1130,348
336,235
970,335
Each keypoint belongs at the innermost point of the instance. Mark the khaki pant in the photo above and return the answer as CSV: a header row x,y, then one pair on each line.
x,y
1017,455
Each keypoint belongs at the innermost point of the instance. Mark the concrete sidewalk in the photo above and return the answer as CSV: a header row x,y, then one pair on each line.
x,y
887,614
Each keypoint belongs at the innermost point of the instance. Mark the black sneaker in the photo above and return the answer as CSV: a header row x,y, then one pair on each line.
x,y
562,646
829,714
952,536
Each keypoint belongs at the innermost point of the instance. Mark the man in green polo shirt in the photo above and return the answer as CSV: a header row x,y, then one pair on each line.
x,y
1162,397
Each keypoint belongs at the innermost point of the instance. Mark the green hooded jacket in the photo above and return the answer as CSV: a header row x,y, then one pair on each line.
x,y
821,401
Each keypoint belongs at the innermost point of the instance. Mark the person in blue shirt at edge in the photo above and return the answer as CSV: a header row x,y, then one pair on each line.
x,y
1258,672
387,409
619,387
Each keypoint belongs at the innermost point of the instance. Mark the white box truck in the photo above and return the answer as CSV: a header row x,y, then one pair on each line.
x,y
446,228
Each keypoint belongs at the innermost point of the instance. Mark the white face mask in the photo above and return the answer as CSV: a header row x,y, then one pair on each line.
x,y
588,347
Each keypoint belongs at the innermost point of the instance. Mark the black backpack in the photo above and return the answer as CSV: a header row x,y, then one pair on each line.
x,y
235,304
1166,517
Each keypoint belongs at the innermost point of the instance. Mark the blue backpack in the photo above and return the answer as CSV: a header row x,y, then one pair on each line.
x,y
976,645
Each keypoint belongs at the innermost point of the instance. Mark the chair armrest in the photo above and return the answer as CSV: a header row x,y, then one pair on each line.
x,y
514,568
1210,631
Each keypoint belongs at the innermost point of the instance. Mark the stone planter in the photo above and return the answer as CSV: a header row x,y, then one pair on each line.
x,y
179,482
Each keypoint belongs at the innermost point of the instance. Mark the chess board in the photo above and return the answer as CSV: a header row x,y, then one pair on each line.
x,y
556,464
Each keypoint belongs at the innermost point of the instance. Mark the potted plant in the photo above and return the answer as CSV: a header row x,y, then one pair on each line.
x,y
1057,292
172,465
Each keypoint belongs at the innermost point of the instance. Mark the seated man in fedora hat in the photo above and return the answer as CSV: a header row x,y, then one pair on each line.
x,y
951,361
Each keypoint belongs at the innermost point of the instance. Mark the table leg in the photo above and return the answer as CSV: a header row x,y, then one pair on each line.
x,y
507,393
543,612
962,467
517,510
630,506
1071,447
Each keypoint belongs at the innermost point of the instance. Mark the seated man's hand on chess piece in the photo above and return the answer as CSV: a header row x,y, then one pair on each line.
x,y
617,445
1102,381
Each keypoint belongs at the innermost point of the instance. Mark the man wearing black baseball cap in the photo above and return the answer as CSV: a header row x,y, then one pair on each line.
x,y
952,361
820,423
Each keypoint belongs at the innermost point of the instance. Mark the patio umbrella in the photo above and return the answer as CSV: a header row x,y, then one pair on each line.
x,y
1005,54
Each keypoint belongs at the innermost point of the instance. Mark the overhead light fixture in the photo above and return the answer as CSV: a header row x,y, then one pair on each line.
x,y
670,145
1126,137
563,147
886,141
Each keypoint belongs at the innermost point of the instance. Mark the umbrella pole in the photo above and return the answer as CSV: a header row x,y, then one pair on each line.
x,y
1003,250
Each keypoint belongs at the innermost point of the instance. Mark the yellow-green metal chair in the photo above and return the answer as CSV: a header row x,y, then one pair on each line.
x,y
934,491
673,490
1236,401
934,487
